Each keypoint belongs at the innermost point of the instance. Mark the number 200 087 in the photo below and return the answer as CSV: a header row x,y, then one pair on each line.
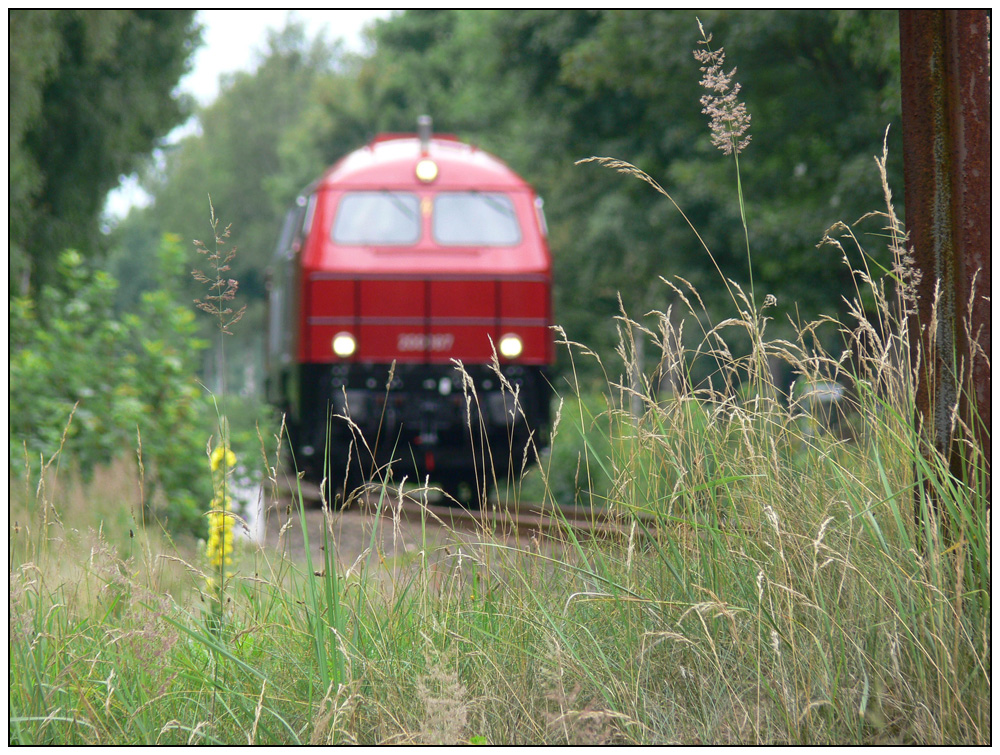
x,y
424,342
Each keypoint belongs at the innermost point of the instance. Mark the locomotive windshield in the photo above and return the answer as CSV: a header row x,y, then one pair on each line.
x,y
386,218
378,218
475,218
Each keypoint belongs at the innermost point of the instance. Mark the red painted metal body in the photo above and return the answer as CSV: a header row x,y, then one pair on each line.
x,y
423,301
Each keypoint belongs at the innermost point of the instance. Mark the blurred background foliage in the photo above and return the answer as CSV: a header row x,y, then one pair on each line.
x,y
543,89
90,93
91,99
97,385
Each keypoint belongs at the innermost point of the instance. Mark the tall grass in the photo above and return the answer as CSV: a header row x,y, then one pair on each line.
x,y
771,585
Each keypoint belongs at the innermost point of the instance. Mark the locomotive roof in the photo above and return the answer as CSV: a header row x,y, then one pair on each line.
x,y
390,161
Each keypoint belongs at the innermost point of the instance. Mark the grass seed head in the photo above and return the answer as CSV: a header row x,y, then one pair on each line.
x,y
730,120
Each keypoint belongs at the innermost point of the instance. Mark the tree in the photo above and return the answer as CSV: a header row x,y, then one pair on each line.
x,y
91,91
235,154
235,158
542,89
821,88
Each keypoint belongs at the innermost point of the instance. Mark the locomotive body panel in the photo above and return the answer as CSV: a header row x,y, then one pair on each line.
x,y
432,319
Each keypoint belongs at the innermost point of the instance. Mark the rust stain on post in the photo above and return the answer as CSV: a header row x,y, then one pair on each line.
x,y
946,151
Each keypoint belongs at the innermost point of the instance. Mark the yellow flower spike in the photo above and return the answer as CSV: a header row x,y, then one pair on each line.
x,y
220,544
220,452
219,548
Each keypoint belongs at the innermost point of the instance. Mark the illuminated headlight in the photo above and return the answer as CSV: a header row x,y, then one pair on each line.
x,y
511,346
427,170
344,345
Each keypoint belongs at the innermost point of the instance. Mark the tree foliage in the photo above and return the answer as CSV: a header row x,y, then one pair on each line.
x,y
543,89
96,385
234,156
237,157
91,91
546,88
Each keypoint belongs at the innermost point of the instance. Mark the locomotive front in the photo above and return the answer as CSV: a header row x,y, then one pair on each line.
x,y
410,313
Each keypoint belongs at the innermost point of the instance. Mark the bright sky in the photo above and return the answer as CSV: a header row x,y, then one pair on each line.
x,y
233,37
231,40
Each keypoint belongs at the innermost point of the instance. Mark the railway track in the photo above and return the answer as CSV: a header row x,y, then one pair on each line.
x,y
526,519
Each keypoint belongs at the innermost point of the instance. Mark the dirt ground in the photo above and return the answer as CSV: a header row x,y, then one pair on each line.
x,y
399,536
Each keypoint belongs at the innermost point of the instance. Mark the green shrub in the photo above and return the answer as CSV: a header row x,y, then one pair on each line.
x,y
97,385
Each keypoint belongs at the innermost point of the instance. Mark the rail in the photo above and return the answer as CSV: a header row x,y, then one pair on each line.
x,y
524,518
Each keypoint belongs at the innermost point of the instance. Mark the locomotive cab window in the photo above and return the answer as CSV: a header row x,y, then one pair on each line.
x,y
475,218
376,218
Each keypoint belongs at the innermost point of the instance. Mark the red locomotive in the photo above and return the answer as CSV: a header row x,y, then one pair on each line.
x,y
409,257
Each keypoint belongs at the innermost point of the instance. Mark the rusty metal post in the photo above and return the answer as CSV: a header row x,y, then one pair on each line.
x,y
945,65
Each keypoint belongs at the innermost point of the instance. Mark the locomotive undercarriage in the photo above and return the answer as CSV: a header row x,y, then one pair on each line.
x,y
461,430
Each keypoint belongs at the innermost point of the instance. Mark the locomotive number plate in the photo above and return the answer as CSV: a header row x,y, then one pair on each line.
x,y
423,342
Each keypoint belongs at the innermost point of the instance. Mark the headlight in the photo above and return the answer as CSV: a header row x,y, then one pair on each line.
x,y
511,346
344,345
427,170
